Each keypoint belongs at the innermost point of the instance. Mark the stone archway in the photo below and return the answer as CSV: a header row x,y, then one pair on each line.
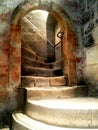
x,y
68,45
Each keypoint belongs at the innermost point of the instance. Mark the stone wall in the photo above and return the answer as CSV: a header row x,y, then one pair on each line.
x,y
89,42
8,95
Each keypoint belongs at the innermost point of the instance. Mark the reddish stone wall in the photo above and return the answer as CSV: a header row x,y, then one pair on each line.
x,y
69,53
4,58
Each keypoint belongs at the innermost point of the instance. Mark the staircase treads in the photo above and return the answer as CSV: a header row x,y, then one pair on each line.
x,y
36,71
23,122
70,112
33,81
57,64
25,45
34,63
31,54
56,92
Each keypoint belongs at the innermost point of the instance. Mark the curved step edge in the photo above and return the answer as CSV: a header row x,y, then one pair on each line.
x,y
44,72
32,54
70,112
34,63
23,122
56,92
33,81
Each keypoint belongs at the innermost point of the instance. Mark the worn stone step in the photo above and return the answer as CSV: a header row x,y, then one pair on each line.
x,y
35,71
79,112
34,63
25,45
23,122
31,54
57,64
33,81
59,92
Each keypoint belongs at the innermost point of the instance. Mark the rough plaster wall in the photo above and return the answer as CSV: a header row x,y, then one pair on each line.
x,y
90,51
91,67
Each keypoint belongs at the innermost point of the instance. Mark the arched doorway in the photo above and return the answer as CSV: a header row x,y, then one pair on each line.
x,y
68,39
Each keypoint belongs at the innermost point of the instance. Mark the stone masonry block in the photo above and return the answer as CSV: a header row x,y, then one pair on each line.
x,y
89,28
86,17
82,7
90,3
95,35
92,56
88,41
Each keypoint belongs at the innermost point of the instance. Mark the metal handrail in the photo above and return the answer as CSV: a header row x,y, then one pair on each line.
x,y
43,35
59,43
39,32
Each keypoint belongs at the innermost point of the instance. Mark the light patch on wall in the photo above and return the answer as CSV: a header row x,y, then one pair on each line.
x,y
95,35
45,14
41,12
2,27
92,55
38,20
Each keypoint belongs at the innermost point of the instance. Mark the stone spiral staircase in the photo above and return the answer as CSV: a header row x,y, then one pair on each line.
x,y
49,103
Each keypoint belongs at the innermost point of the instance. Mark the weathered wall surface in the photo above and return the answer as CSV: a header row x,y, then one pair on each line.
x,y
89,42
8,94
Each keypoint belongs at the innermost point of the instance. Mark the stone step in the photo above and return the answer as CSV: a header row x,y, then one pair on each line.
x,y
57,64
34,81
55,92
31,54
23,122
25,44
34,63
35,71
81,112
